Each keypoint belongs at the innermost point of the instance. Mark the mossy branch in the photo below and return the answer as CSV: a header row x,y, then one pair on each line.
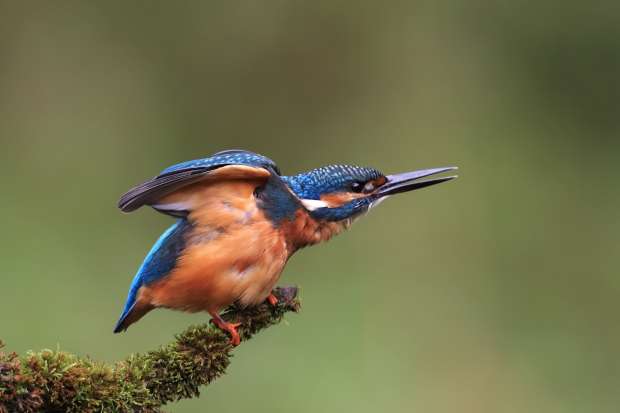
x,y
55,381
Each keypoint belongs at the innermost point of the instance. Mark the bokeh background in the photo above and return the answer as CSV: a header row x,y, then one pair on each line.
x,y
494,293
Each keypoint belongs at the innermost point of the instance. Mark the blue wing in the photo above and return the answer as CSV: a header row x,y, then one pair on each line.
x,y
186,173
230,157
158,263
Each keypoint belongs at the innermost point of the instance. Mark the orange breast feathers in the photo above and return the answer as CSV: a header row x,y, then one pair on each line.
x,y
305,230
232,254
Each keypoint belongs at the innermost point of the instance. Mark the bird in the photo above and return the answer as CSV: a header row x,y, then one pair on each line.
x,y
238,221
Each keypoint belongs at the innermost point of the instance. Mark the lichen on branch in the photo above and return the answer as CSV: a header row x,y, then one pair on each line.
x,y
55,381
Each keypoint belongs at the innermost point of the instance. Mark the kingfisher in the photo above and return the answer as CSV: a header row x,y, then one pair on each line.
x,y
238,221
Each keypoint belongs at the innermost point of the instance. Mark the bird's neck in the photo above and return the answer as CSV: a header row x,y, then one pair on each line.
x,y
289,216
305,230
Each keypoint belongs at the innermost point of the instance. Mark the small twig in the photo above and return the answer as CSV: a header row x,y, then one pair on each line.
x,y
55,381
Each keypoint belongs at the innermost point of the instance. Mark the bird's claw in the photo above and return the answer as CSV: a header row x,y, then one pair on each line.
x,y
273,300
231,328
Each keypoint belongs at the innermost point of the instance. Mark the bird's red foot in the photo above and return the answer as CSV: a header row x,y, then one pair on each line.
x,y
273,300
235,340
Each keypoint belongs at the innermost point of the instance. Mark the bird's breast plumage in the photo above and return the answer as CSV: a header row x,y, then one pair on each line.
x,y
305,230
233,252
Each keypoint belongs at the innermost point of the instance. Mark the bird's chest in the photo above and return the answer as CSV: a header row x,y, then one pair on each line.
x,y
232,254
253,258
305,230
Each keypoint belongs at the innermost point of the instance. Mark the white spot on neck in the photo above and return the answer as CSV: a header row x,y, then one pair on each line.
x,y
312,204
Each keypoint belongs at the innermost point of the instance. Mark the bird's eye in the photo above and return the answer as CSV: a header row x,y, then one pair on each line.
x,y
357,186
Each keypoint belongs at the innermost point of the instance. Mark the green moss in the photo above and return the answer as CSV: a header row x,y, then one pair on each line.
x,y
56,381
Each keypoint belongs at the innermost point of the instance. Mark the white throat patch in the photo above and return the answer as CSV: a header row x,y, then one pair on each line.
x,y
312,204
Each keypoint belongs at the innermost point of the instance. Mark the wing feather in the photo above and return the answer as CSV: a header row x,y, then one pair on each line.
x,y
234,164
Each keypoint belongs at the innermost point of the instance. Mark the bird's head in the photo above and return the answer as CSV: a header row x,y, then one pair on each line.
x,y
343,192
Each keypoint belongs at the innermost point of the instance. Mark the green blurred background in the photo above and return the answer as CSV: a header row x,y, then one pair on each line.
x,y
494,293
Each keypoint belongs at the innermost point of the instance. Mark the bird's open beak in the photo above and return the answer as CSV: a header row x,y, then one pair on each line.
x,y
410,181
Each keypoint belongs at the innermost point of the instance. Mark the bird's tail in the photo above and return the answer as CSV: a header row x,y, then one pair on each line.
x,y
136,307
131,315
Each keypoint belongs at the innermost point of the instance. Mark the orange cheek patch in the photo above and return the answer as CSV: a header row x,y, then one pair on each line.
x,y
379,181
337,199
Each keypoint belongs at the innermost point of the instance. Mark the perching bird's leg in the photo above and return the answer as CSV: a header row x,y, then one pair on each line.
x,y
235,340
273,300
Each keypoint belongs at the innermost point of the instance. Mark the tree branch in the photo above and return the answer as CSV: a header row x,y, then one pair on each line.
x,y
55,381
